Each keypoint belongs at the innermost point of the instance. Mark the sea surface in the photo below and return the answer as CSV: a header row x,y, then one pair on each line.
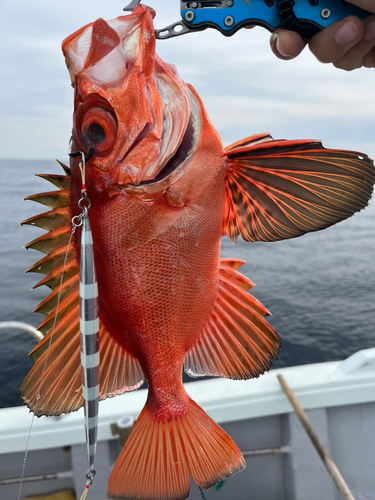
x,y
320,287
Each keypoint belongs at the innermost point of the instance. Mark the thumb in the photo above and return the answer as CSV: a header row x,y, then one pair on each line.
x,y
286,44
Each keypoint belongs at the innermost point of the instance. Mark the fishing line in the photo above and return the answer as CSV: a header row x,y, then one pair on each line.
x,y
37,399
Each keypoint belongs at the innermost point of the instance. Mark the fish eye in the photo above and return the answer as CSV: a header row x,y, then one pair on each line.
x,y
96,133
99,130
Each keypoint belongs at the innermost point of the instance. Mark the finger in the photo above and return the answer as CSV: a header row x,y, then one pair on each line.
x,y
369,59
337,39
356,56
368,5
286,44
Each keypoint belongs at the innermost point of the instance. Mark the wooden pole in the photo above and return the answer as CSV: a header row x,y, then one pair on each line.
x,y
326,459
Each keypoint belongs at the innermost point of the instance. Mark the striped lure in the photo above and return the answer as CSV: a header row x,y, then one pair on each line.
x,y
89,329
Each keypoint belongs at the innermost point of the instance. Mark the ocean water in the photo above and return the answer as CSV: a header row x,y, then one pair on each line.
x,y
320,287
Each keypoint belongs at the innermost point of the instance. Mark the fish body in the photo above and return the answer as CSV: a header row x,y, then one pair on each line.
x,y
163,192
161,285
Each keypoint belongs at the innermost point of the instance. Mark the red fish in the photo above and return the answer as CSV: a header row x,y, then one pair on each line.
x,y
163,192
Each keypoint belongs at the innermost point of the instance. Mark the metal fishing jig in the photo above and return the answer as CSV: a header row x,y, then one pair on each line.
x,y
89,325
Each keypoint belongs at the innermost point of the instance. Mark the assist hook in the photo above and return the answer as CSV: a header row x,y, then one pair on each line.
x,y
79,153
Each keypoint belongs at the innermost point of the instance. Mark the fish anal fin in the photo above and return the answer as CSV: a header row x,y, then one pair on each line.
x,y
59,386
237,342
159,457
232,263
278,189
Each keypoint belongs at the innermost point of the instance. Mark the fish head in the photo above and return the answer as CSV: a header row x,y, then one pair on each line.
x,y
130,106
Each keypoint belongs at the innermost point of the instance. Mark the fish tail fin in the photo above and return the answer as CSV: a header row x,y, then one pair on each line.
x,y
159,457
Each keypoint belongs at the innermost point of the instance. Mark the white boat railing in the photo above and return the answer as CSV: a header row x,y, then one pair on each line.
x,y
25,327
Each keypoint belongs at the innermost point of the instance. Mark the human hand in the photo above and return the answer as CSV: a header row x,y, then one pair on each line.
x,y
347,44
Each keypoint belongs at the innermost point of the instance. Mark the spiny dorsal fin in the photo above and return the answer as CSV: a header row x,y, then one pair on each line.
x,y
52,199
61,390
50,241
52,280
60,181
68,287
65,307
53,219
55,259
66,169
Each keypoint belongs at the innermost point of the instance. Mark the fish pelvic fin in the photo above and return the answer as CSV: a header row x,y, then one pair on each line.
x,y
158,458
237,342
278,189
53,385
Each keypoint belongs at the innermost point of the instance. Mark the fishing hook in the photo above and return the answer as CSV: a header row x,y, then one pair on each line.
x,y
79,153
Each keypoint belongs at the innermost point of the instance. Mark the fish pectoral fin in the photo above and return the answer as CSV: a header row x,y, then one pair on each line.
x,y
282,189
237,342
157,220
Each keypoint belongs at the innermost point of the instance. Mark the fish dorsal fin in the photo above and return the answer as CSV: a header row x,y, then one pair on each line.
x,y
237,342
282,189
60,390
57,376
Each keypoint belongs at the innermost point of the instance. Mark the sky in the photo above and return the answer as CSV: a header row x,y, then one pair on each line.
x,y
244,87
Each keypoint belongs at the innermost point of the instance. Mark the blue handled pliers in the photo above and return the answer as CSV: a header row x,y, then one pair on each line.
x,y
306,17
